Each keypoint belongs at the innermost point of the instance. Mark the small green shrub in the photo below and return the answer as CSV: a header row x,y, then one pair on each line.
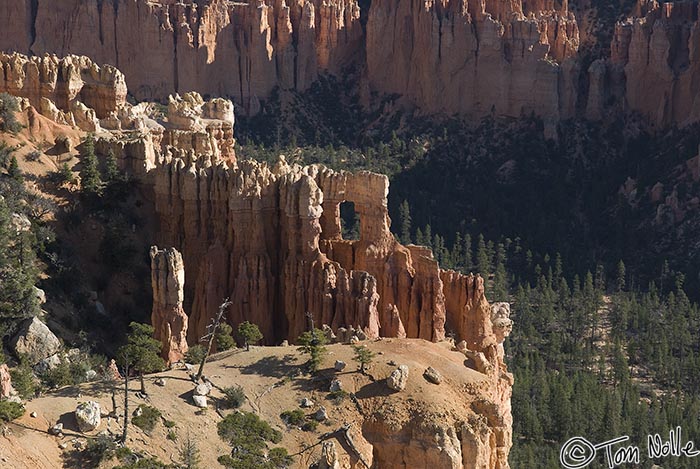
x,y
72,372
337,396
65,175
145,463
234,397
249,437
310,426
10,410
293,417
23,381
8,107
224,339
58,376
102,448
148,418
195,354
169,424
123,452
172,436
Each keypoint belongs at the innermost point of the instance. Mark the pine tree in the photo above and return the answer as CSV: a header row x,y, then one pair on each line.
x,y
112,173
18,272
189,454
405,223
500,280
483,262
224,340
313,343
363,356
420,239
142,351
621,274
250,333
428,236
558,268
467,261
13,170
456,254
439,249
90,180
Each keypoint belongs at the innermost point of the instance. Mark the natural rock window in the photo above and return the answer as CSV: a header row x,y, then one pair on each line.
x,y
349,221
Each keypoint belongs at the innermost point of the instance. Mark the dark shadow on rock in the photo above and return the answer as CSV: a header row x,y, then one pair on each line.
x,y
187,397
69,422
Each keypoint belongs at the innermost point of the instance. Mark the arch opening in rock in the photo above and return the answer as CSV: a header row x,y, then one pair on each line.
x,y
349,221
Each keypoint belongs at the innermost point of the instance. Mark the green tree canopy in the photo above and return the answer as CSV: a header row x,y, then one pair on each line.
x,y
250,333
142,351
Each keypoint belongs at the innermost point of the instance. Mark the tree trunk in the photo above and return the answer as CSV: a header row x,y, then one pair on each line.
x,y
126,404
143,384
211,335
247,346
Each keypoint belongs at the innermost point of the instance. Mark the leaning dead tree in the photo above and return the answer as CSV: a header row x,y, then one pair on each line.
x,y
211,335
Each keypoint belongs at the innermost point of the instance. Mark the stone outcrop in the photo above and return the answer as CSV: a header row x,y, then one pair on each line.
x,y
192,131
76,85
270,239
35,341
168,317
329,456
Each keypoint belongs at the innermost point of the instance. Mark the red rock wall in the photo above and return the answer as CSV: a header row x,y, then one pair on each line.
x,y
455,56
269,238
659,55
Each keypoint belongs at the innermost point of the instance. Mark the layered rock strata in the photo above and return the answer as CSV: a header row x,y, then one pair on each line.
x,y
658,52
71,90
168,316
270,239
474,57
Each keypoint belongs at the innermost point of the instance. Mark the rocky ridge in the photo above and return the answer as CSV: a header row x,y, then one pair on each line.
x,y
270,239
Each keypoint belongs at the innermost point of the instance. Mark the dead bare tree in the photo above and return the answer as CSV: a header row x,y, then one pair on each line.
x,y
211,335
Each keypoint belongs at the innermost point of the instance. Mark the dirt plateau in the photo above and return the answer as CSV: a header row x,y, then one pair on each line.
x,y
456,424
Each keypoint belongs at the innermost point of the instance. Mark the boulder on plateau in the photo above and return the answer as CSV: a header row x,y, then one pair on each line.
x,y
35,341
87,414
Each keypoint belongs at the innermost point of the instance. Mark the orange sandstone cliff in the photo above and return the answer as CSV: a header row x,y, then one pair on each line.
x,y
473,57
